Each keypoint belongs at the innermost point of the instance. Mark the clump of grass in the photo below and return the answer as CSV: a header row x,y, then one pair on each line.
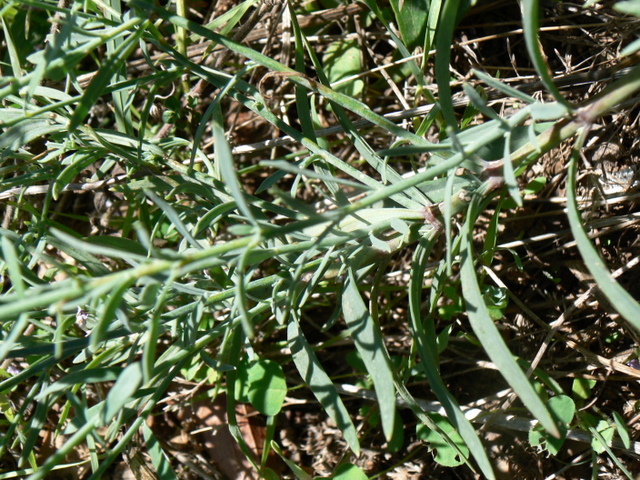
x,y
138,253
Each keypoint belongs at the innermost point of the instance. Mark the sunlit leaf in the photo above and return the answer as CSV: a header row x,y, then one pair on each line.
x,y
368,340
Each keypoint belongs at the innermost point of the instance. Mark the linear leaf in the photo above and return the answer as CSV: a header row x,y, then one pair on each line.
x,y
366,335
158,457
446,26
81,250
105,74
13,265
531,26
428,351
490,337
24,132
79,163
174,217
86,376
297,471
508,90
108,314
120,394
224,159
618,297
320,384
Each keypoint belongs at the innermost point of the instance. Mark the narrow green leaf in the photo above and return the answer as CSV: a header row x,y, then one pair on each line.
x,y
444,40
233,352
428,350
36,424
490,337
367,337
435,7
480,102
114,44
411,16
508,90
107,71
215,364
241,280
320,384
118,244
23,133
508,172
11,50
86,376
297,471
174,218
618,297
81,250
11,340
93,452
602,439
211,110
154,329
621,428
58,456
13,265
158,457
112,140
286,166
225,22
531,25
121,393
224,159
71,171
108,314
304,104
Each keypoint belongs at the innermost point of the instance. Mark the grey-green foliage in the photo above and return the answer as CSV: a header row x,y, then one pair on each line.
x,y
196,273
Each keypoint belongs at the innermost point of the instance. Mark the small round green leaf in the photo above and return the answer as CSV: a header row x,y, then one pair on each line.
x,y
445,453
562,408
342,60
349,472
267,386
